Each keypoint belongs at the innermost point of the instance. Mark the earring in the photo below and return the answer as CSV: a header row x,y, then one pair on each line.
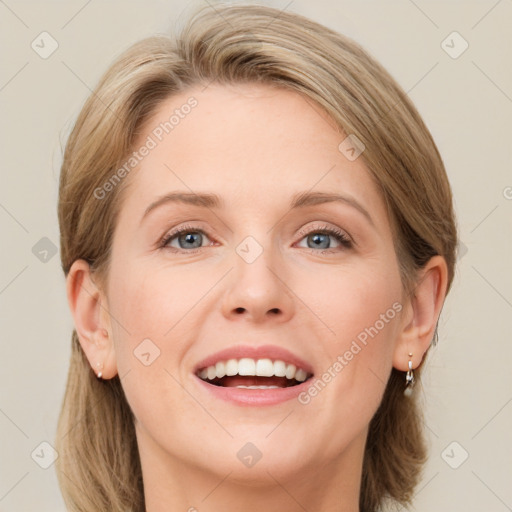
x,y
100,367
409,379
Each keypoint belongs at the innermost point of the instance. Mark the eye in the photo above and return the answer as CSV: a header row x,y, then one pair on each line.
x,y
188,238
319,238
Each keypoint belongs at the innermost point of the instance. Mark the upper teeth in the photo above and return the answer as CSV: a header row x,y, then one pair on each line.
x,y
254,367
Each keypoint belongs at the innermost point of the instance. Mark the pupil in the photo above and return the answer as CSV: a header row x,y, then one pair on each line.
x,y
189,238
317,237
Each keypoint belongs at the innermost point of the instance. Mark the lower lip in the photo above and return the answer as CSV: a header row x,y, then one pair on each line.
x,y
254,397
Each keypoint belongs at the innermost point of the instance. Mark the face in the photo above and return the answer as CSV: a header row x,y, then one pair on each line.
x,y
267,273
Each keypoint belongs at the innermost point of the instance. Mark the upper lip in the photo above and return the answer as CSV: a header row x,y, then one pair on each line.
x,y
273,352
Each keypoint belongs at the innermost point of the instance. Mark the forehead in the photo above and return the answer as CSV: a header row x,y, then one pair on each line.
x,y
253,144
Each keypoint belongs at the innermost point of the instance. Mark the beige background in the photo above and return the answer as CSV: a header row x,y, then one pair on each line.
x,y
467,104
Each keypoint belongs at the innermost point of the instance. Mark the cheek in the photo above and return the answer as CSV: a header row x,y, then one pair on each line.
x,y
361,307
156,316
142,314
150,312
353,300
151,304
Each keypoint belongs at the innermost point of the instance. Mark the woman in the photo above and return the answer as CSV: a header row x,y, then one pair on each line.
x,y
258,237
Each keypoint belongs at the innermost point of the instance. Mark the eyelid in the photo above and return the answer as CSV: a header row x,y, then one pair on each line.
x,y
326,228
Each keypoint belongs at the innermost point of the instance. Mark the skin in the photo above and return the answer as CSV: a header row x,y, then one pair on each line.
x,y
192,304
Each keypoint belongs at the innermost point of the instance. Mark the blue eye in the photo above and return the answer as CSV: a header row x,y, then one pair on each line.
x,y
320,238
190,239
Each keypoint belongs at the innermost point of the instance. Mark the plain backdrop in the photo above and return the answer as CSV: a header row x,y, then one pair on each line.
x,y
465,97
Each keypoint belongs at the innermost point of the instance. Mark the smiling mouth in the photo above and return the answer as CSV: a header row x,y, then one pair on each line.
x,y
247,373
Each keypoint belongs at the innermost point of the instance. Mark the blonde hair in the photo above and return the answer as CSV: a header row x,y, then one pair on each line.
x,y
99,466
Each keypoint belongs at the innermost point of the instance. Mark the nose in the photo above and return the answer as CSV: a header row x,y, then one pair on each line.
x,y
258,291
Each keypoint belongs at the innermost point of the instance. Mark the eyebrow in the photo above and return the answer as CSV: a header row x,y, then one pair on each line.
x,y
305,199
299,200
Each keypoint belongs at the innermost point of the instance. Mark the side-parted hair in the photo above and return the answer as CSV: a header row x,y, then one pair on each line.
x,y
98,466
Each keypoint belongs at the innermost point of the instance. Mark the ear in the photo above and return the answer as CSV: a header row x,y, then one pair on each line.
x,y
421,313
89,308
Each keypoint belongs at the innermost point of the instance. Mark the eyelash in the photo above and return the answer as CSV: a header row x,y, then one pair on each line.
x,y
339,235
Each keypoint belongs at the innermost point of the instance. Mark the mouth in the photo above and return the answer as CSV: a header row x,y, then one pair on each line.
x,y
253,374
